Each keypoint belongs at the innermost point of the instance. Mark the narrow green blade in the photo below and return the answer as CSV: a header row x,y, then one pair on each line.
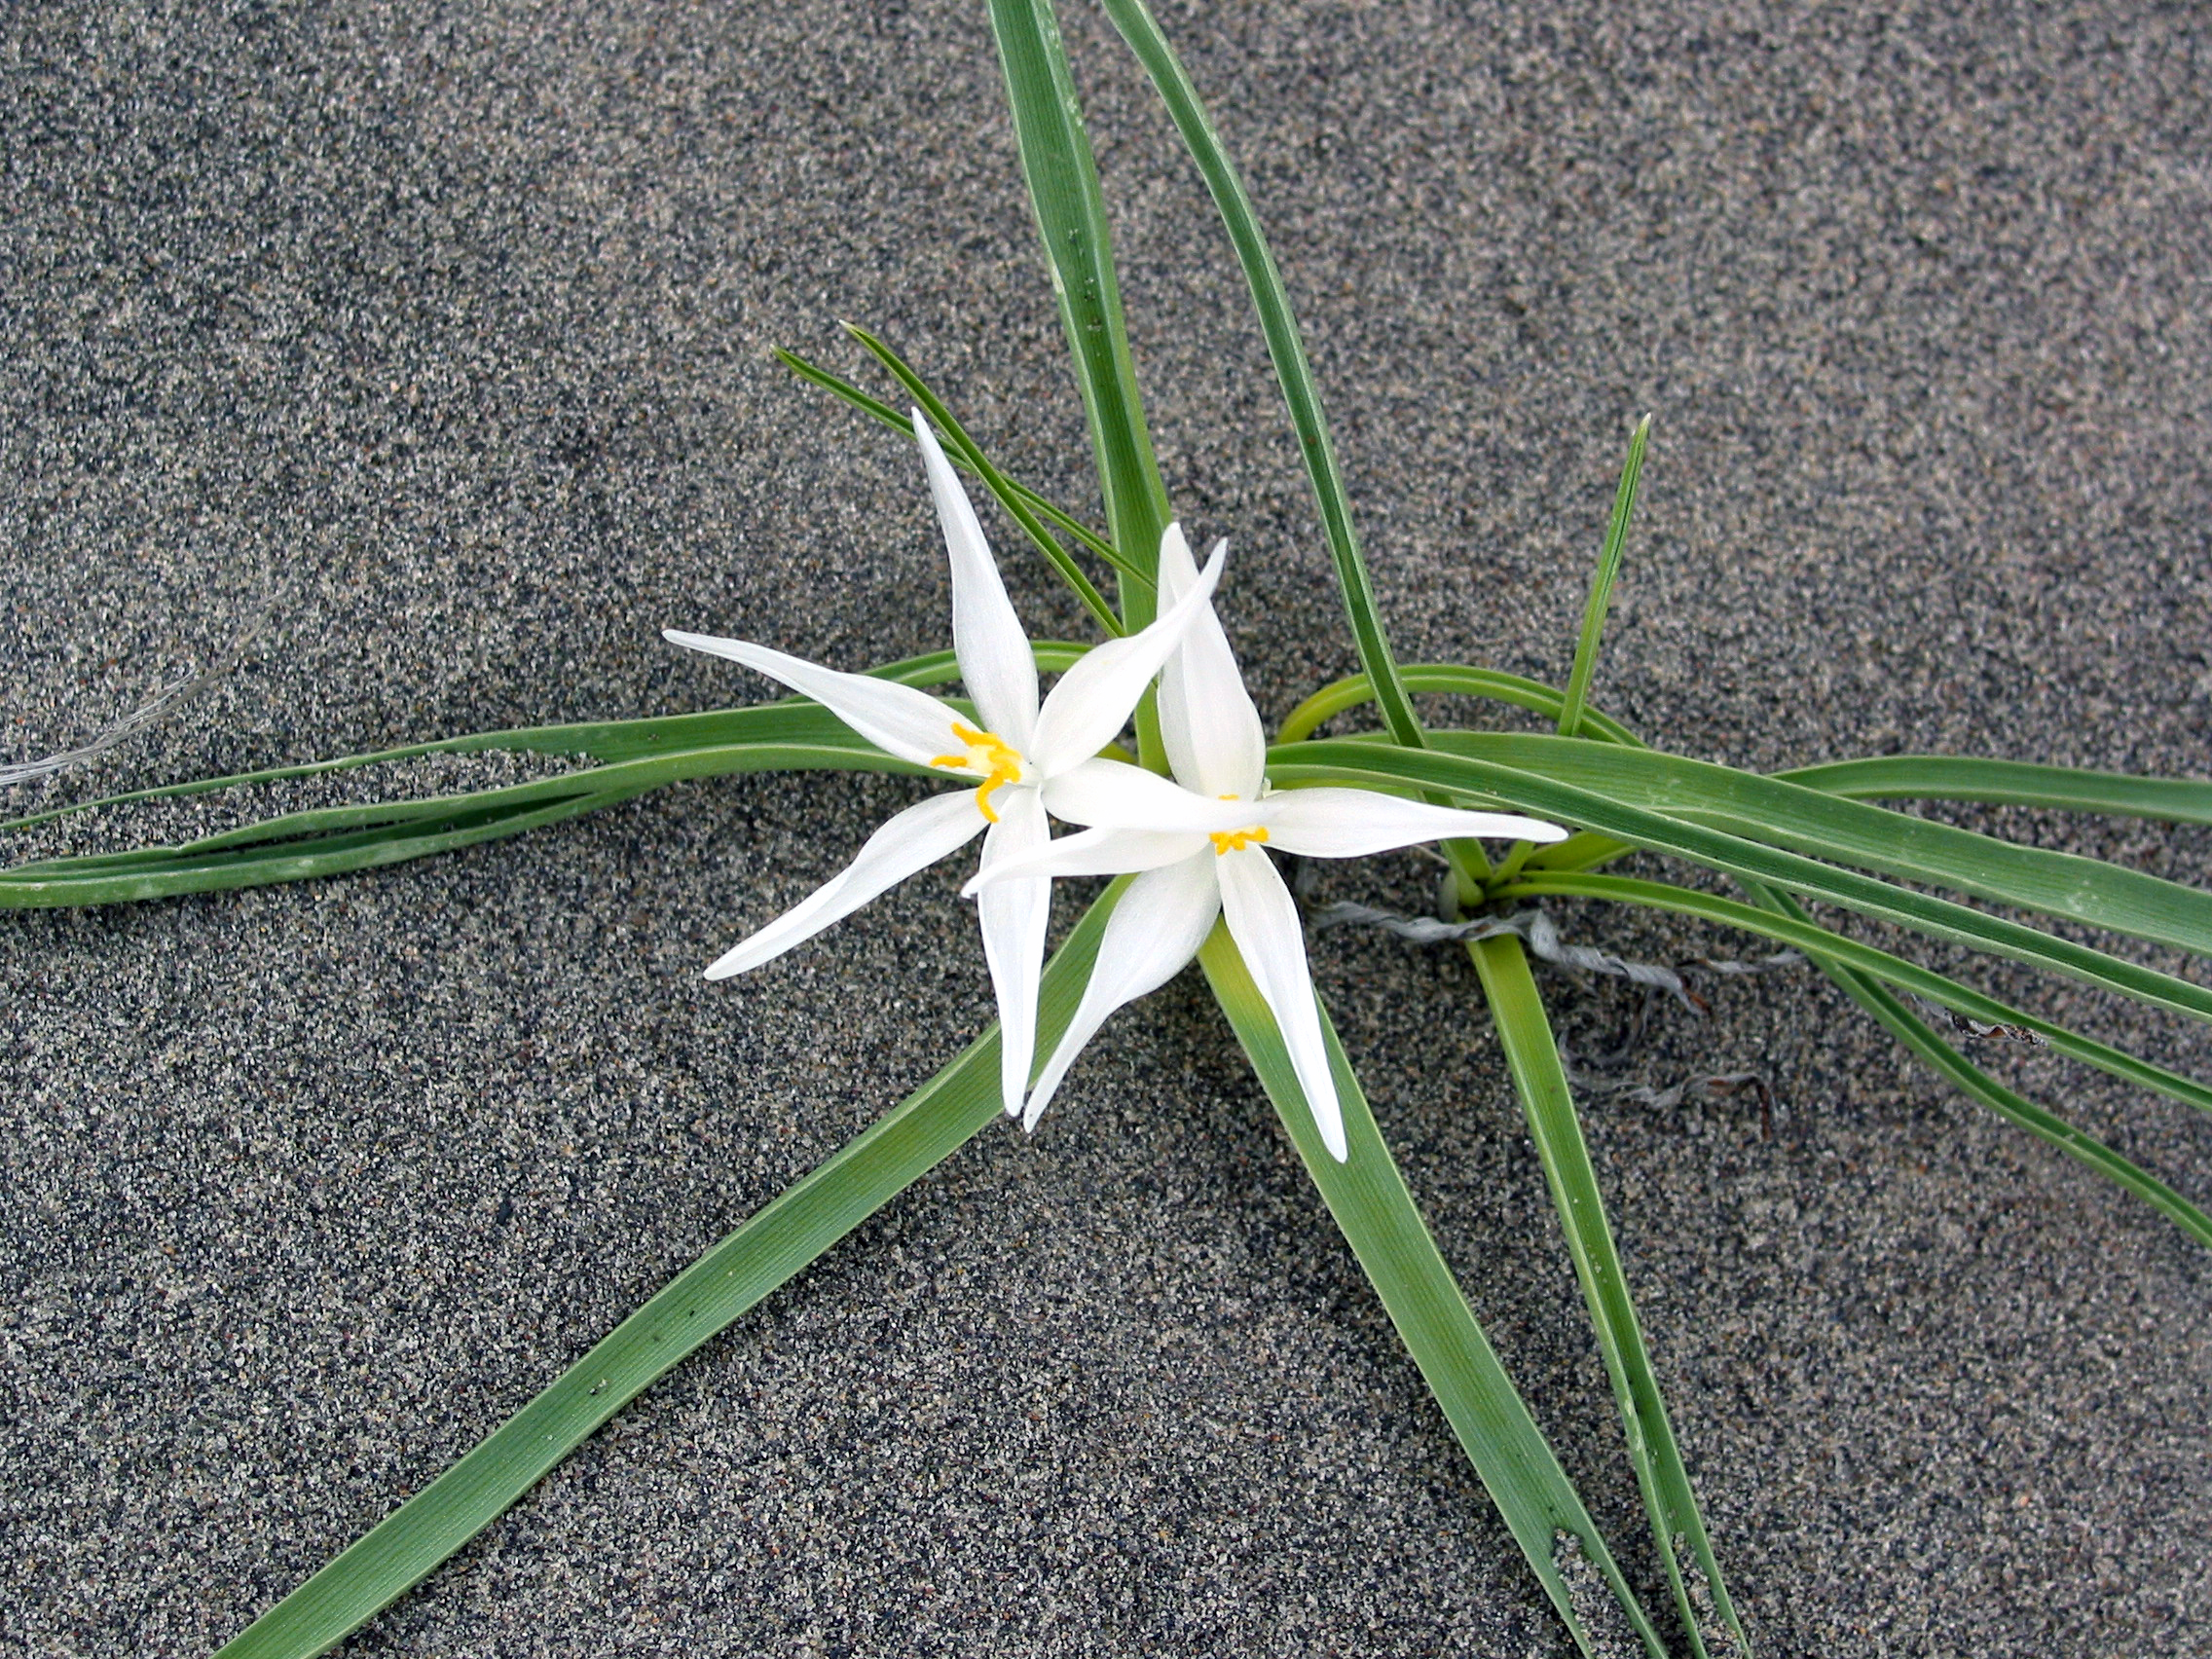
x,y
1790,925
1783,921
1381,1222
793,1229
1601,584
1062,178
333,840
2009,783
1850,832
1540,1077
1485,783
792,719
967,456
956,438
641,755
1293,373
1354,690
1916,1034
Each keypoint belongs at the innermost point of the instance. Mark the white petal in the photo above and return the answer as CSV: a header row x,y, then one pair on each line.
x,y
1262,919
1093,700
896,718
1092,851
915,838
1113,795
1345,824
1208,722
1156,929
1013,915
987,639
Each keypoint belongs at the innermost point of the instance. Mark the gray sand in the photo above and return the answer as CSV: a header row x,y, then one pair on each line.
x,y
443,333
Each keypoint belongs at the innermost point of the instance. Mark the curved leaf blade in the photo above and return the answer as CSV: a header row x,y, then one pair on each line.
x,y
956,437
789,719
336,840
1485,783
1062,177
1285,350
729,1279
1380,1220
1355,690
2009,783
1540,1079
968,455
1848,832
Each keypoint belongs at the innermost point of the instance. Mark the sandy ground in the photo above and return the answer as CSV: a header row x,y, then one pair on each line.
x,y
438,335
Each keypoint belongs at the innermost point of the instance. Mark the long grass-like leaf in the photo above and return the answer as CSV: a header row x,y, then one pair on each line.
x,y
1787,924
1293,373
793,1229
1918,1036
333,840
2009,783
967,456
1355,690
1380,1220
641,755
1486,782
956,438
1538,1074
1851,832
1601,584
1062,178
791,720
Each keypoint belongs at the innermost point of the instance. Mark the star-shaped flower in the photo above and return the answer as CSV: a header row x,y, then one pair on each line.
x,y
1018,748
1202,850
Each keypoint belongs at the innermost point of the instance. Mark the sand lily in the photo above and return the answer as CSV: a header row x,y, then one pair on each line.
x,y
1200,849
1018,748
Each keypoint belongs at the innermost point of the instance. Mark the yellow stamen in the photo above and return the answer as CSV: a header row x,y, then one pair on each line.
x,y
987,753
1232,840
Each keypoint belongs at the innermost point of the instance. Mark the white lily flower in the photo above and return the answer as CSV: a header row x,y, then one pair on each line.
x,y
1201,850
1020,748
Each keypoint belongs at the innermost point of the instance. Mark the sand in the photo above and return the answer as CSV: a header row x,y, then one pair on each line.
x,y
437,337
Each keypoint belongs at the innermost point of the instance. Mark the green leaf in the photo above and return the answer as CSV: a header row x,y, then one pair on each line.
x,y
1541,1080
968,457
956,436
1870,837
1601,584
332,841
643,755
1786,923
1355,690
2009,783
1368,1200
791,720
1488,783
1062,177
1916,1034
1285,350
764,1253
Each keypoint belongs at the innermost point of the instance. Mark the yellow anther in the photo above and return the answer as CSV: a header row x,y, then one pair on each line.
x,y
997,760
1232,841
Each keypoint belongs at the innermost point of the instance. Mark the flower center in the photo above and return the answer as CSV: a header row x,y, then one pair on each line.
x,y
1227,841
988,755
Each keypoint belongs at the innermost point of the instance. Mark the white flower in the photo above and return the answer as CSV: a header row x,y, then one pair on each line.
x,y
1200,851
1020,748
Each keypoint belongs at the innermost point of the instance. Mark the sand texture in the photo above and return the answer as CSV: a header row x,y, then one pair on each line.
x,y
435,340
